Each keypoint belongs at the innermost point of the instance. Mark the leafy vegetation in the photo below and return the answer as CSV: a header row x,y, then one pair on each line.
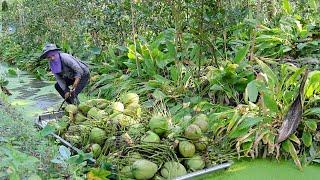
x,y
241,63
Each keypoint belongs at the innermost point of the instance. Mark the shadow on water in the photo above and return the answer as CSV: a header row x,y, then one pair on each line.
x,y
29,93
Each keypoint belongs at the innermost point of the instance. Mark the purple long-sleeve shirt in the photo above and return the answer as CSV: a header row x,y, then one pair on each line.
x,y
71,68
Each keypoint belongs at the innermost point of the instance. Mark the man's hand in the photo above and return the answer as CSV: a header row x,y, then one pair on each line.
x,y
68,94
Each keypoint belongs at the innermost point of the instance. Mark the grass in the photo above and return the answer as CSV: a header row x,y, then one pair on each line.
x,y
24,152
264,169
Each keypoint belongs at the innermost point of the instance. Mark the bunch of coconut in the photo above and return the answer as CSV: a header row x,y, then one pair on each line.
x,y
127,111
196,142
189,148
87,123
90,123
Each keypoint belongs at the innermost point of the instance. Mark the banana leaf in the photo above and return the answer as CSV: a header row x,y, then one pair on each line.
x,y
294,114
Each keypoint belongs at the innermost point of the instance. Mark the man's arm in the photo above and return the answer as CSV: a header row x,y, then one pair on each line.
x,y
76,83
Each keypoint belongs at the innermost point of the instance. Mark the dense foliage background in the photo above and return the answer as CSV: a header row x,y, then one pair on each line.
x,y
240,62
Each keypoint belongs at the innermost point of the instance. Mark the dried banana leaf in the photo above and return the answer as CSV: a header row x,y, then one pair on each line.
x,y
294,114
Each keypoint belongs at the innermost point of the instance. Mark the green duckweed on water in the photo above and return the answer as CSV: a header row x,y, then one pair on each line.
x,y
263,169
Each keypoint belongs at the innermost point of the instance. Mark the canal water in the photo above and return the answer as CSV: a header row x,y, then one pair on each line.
x,y
31,96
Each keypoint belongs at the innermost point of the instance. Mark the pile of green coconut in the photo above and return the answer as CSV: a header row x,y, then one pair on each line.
x,y
140,144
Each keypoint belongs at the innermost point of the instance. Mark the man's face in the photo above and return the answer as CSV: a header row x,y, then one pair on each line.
x,y
50,56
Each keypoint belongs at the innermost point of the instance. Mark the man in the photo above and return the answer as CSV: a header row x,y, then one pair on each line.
x,y
68,71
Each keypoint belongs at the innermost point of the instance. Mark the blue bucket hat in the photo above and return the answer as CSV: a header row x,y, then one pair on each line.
x,y
47,48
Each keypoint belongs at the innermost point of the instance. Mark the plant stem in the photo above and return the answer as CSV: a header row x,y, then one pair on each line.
x,y
134,38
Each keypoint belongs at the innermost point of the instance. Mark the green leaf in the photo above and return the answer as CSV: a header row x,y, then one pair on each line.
x,y
312,112
249,122
159,95
98,173
48,129
247,146
289,147
295,139
311,124
64,152
313,5
96,50
174,74
216,87
233,121
241,54
4,82
294,77
286,6
150,67
57,161
271,76
12,72
238,132
313,83
161,79
270,103
307,138
154,84
252,91
131,55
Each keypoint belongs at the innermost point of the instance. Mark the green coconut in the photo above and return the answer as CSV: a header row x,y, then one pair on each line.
x,y
96,150
117,107
102,105
136,130
158,124
116,117
96,102
175,131
80,117
172,169
74,140
97,136
133,109
91,103
133,157
144,169
193,132
95,113
127,121
202,121
84,108
71,109
186,149
150,137
65,118
201,144
195,163
158,177
126,171
129,98
79,130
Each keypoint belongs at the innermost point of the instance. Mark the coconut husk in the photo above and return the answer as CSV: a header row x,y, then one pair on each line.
x,y
294,114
